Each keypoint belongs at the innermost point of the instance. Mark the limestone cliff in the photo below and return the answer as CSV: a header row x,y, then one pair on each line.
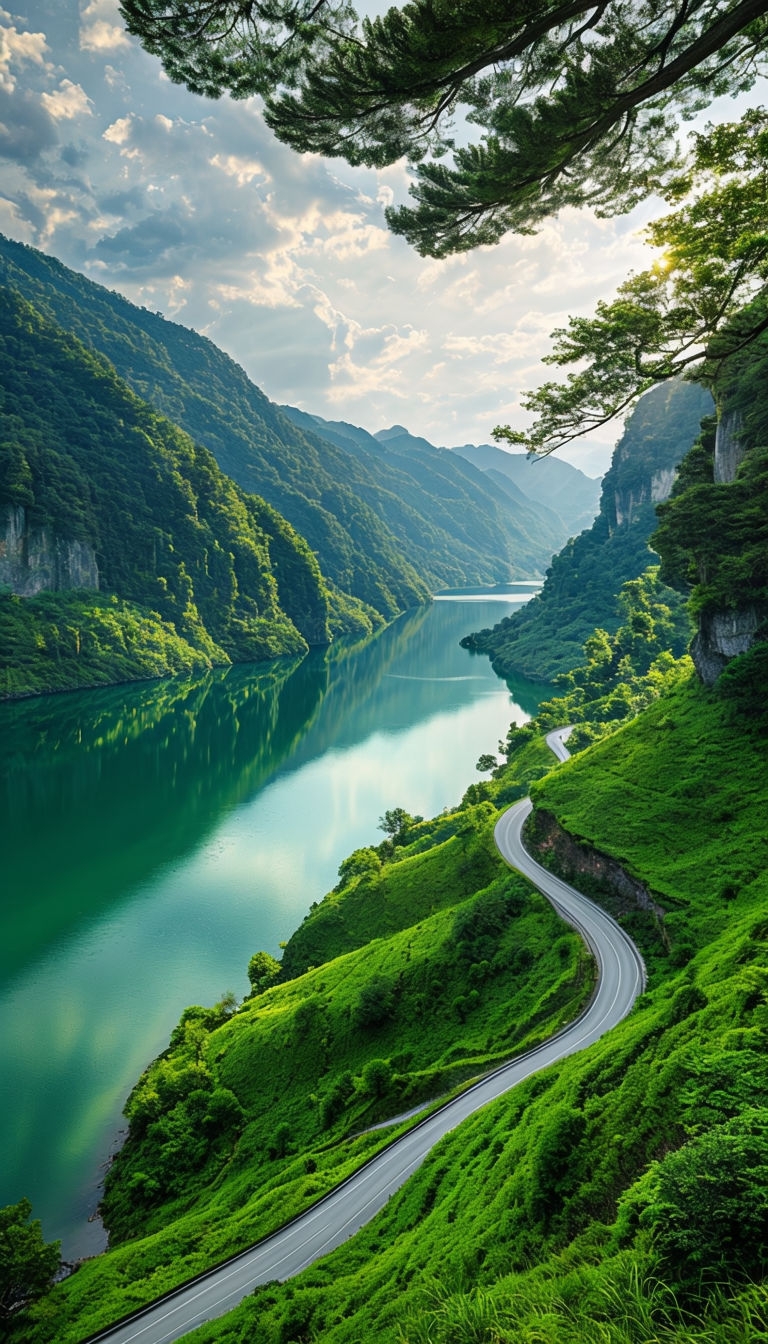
x,y
37,559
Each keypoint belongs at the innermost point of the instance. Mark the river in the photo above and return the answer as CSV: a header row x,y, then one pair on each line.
x,y
155,835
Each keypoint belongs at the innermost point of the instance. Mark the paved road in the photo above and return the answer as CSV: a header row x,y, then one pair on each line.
x,y
343,1212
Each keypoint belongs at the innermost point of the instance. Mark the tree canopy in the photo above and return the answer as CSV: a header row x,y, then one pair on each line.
x,y
539,104
27,1262
702,300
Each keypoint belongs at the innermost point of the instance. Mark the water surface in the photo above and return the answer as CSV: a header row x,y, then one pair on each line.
x,y
155,835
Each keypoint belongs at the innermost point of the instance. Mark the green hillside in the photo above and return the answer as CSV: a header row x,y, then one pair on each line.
x,y
448,516
191,571
383,530
225,1142
545,637
551,481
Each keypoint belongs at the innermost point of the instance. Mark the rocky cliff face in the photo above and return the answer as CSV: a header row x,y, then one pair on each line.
x,y
729,446
590,870
723,635
35,560
658,435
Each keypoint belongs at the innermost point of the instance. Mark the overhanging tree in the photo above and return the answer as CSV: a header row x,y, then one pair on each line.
x,y
574,103
700,303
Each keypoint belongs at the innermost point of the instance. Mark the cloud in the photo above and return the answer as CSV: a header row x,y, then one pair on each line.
x,y
154,240
101,30
16,49
68,101
26,130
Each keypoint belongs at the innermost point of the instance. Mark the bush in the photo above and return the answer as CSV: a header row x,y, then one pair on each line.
x,y
375,1005
706,1205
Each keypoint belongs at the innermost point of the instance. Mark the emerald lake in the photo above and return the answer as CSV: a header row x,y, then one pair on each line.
x,y
156,835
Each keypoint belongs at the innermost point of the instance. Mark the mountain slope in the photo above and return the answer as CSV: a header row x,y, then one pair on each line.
x,y
185,377
451,521
546,636
549,480
385,529
100,492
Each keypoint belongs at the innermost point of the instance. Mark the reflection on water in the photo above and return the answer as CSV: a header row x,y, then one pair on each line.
x,y
156,835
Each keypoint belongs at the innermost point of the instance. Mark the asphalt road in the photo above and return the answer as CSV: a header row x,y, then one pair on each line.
x,y
621,977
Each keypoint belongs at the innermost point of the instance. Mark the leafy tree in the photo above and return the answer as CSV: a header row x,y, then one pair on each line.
x,y
577,103
395,821
375,1005
263,971
360,863
376,1078
486,762
27,1262
698,305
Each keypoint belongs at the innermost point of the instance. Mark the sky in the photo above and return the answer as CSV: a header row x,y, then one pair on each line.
x,y
192,208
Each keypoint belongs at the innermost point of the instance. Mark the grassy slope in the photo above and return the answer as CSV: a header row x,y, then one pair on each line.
x,y
507,1231
478,967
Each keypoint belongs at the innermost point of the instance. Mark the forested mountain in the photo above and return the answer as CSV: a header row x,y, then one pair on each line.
x,y
451,519
546,636
550,480
136,555
382,530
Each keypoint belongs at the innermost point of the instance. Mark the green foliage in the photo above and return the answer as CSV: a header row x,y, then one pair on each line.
x,y
704,296
576,105
395,822
545,637
58,641
705,1207
622,673
169,533
263,971
27,1262
743,684
713,536
375,1004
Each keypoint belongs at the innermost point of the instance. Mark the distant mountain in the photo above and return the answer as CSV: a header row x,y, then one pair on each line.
x,y
185,377
134,554
386,527
452,523
550,480
546,636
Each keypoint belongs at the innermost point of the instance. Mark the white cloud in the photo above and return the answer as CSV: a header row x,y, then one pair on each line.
x,y
17,48
67,102
101,30
242,169
119,132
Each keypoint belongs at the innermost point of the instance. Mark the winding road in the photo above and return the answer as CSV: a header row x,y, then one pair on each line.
x,y
323,1227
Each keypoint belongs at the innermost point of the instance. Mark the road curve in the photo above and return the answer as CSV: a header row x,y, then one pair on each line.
x,y
621,977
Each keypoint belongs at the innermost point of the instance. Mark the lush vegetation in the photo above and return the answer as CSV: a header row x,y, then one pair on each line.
x,y
27,1262
202,572
59,641
385,528
546,636
426,929
713,534
578,1207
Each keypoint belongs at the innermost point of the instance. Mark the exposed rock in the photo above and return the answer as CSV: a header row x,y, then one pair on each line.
x,y
723,635
36,560
729,450
575,861
661,484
